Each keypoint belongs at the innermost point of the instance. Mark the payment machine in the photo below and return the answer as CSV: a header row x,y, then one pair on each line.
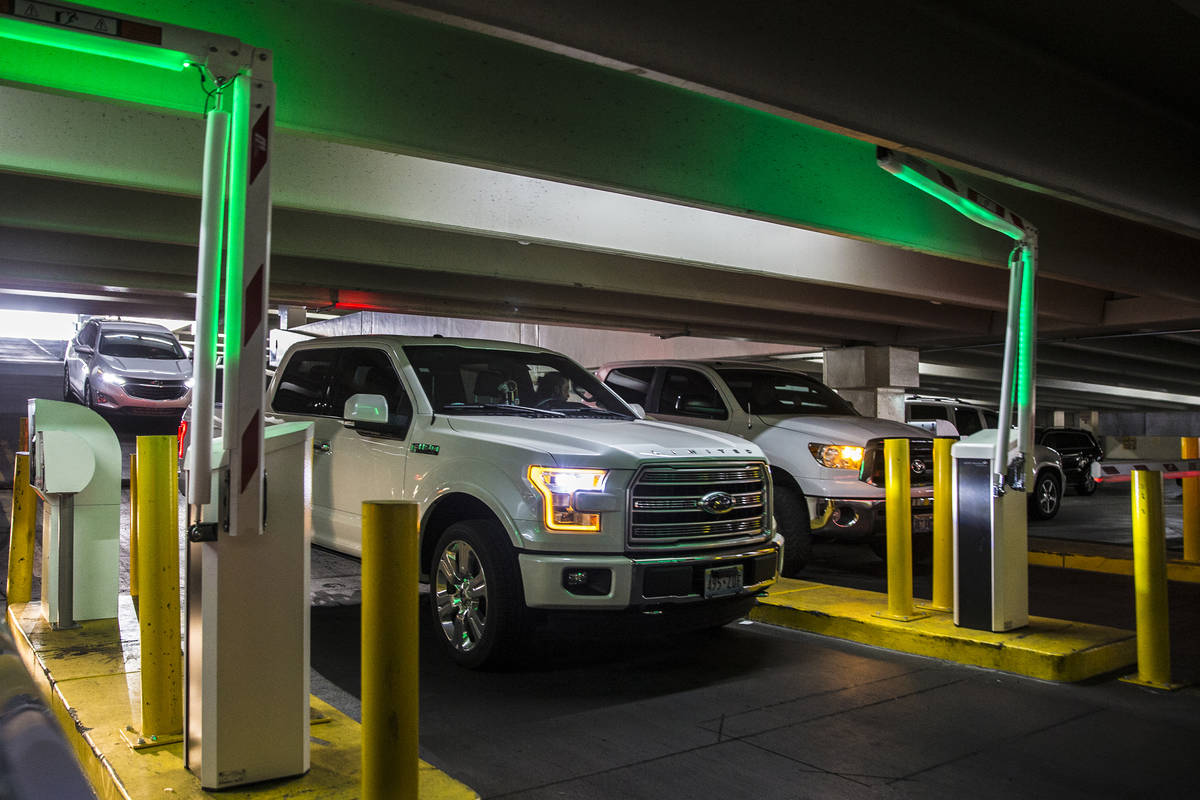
x,y
75,463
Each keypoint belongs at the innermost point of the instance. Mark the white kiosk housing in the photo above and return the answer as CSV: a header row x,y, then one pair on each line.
x,y
76,469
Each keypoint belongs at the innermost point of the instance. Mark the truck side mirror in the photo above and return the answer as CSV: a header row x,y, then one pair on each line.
x,y
369,408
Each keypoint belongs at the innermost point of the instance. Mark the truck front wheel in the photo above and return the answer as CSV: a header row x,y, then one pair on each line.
x,y
475,593
791,515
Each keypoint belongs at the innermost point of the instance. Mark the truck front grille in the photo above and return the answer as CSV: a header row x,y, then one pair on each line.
x,y
709,505
155,390
920,466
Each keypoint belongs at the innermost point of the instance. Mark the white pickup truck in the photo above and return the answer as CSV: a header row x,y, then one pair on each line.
x,y
540,491
826,459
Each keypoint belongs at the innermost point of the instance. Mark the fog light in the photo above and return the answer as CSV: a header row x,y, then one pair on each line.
x,y
587,582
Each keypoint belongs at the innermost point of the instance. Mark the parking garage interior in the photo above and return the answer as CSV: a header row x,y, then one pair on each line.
x,y
654,181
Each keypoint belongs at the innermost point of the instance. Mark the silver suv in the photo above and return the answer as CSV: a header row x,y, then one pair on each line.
x,y
967,418
133,367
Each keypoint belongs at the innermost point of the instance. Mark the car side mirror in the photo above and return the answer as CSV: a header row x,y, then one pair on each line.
x,y
637,410
84,349
369,408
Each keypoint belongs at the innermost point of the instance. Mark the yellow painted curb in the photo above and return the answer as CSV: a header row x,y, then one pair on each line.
x,y
1181,571
89,677
1049,649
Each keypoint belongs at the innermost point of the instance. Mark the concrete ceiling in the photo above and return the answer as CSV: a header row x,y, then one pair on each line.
x,y
703,169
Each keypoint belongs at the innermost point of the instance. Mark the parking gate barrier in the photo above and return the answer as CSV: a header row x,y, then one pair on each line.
x,y
1190,449
390,564
1150,582
21,527
898,503
133,542
943,526
158,608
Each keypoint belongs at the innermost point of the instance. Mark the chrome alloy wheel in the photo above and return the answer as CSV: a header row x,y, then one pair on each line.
x,y
1047,496
460,588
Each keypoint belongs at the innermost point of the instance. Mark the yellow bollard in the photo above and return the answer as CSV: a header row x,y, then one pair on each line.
x,y
133,548
1189,449
22,524
943,527
1150,582
898,502
158,574
390,566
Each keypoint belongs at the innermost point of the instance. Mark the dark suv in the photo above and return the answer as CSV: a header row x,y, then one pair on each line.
x,y
1078,449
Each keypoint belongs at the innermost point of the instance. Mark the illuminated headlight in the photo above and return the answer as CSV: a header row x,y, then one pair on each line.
x,y
109,378
557,486
189,382
837,456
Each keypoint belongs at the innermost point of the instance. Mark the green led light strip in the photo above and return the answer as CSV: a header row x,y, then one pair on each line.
x,y
1025,332
239,160
962,205
67,39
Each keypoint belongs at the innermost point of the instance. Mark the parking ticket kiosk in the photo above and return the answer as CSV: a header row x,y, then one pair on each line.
x,y
991,565
75,463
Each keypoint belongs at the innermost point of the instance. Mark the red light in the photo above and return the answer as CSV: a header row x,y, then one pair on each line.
x,y
182,435
355,306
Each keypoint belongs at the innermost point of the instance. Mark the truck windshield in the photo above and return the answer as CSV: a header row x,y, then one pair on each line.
x,y
771,392
469,380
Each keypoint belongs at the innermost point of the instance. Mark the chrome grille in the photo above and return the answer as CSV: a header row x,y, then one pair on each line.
x,y
919,451
666,507
155,390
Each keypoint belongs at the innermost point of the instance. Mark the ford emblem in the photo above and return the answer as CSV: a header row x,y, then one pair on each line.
x,y
716,502
918,466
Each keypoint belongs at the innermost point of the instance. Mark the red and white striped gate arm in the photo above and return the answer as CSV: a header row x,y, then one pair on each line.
x,y
1122,471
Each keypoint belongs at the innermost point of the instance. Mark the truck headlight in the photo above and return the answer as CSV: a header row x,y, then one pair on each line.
x,y
557,486
837,456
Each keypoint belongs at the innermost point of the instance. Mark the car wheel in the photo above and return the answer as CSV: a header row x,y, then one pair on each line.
x,y
791,517
1046,498
88,400
1088,484
68,396
476,595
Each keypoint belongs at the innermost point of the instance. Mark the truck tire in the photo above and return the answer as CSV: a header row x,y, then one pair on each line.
x,y
791,516
476,596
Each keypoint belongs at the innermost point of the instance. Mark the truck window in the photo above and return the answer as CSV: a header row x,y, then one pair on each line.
x,y
304,385
687,393
764,391
631,383
967,420
366,370
923,412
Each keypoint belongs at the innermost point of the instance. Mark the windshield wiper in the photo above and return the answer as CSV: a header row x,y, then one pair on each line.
x,y
500,408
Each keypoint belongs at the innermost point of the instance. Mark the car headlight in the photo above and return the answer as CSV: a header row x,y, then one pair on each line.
x,y
557,486
189,382
837,456
107,377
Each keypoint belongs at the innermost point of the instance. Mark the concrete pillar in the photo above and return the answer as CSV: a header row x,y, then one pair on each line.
x,y
874,379
1060,420
292,316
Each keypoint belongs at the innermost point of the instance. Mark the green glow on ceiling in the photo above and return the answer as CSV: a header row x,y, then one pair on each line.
x,y
94,44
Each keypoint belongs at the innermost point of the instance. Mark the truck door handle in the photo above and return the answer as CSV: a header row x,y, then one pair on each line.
x,y
321,447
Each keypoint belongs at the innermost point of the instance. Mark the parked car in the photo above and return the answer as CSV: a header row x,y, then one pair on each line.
x,y
814,439
967,418
540,492
1079,449
130,367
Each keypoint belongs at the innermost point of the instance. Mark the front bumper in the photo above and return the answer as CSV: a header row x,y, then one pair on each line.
x,y
642,581
854,518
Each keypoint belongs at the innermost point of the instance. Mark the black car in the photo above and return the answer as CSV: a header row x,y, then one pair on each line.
x,y
1078,449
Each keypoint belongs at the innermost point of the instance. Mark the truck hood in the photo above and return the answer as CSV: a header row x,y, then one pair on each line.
x,y
842,429
614,443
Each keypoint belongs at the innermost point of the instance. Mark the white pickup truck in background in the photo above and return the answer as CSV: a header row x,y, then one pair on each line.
x,y
826,459
540,491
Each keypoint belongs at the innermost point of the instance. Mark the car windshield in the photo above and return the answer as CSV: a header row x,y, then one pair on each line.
x,y
469,380
133,344
771,392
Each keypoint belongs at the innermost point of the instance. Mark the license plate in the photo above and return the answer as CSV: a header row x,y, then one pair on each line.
x,y
922,523
722,581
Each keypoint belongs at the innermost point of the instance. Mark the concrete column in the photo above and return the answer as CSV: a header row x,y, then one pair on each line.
x,y
292,316
874,379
